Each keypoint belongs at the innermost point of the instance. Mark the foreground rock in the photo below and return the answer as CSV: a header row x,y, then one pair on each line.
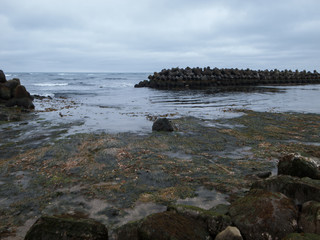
x,y
230,233
162,124
300,190
295,165
178,222
198,78
263,215
310,217
67,228
12,93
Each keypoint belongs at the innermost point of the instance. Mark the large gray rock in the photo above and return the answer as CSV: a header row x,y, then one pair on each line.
x,y
263,215
310,217
295,165
230,233
299,189
67,228
162,124
2,77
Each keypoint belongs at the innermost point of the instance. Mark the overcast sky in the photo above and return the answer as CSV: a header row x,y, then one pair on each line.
x,y
149,35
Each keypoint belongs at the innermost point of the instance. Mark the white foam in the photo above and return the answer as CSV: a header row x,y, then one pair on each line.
x,y
50,84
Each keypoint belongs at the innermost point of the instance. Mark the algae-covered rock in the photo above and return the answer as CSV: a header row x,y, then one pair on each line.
x,y
299,189
230,233
214,220
298,166
310,217
162,124
264,215
67,228
127,231
171,225
302,236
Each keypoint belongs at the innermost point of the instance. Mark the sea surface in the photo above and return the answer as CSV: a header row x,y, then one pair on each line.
x,y
108,102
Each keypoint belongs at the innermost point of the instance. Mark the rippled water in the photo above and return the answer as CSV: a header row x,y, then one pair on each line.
x,y
109,102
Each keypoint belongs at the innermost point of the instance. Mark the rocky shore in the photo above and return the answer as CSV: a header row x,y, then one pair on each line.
x,y
200,78
131,186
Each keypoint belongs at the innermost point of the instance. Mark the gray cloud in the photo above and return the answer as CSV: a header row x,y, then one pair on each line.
x,y
145,35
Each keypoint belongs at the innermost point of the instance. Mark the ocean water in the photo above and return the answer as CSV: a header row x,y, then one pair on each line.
x,y
93,102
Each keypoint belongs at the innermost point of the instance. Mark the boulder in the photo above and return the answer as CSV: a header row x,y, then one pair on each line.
x,y
264,215
12,84
127,231
171,225
162,124
302,236
21,102
5,92
21,92
67,227
213,219
299,189
310,217
2,77
230,233
295,165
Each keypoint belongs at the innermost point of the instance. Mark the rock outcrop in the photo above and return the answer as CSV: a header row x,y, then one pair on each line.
x,y
199,78
67,228
12,93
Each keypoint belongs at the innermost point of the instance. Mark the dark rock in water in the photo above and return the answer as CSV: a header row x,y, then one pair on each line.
x,y
310,217
263,215
171,225
230,233
5,92
162,124
299,189
298,166
302,236
22,102
66,228
2,77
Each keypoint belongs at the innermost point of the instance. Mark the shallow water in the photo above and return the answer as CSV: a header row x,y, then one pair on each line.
x,y
93,102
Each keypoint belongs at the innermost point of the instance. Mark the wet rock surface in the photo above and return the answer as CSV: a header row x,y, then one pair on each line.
x,y
199,78
297,166
299,189
310,217
67,228
264,215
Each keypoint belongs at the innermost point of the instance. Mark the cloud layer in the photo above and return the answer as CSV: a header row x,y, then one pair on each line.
x,y
147,35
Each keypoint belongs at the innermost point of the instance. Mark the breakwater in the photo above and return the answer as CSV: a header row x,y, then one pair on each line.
x,y
199,78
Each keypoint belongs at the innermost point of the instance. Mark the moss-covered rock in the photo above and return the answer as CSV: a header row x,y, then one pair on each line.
x,y
310,217
299,189
298,166
215,221
171,225
67,228
264,215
